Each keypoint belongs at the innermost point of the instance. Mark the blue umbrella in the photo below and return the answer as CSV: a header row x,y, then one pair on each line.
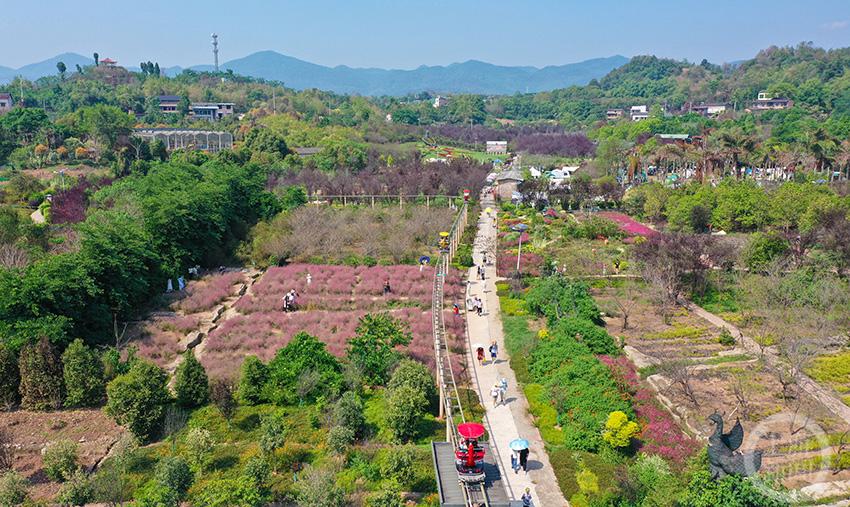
x,y
424,259
518,444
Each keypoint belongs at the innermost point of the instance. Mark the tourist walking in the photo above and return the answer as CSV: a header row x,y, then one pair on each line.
x,y
526,498
309,278
523,460
479,306
494,392
514,461
480,356
387,288
494,351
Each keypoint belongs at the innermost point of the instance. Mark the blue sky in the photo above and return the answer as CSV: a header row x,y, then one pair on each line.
x,y
406,33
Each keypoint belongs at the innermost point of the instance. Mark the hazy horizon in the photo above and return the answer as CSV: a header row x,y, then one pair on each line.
x,y
406,35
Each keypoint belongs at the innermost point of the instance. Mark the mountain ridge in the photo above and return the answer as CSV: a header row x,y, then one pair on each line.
x,y
471,76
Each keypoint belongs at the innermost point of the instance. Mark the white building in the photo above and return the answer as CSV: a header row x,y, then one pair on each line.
x,y
497,146
440,101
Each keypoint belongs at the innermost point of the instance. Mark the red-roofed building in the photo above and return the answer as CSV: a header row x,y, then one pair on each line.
x,y
109,62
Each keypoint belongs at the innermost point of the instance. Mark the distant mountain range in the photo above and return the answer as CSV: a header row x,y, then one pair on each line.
x,y
468,77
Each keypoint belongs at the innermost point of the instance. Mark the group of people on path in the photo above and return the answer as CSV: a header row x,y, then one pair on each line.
x,y
474,304
494,352
289,301
498,392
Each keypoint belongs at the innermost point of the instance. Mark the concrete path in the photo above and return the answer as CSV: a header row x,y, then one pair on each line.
x,y
511,420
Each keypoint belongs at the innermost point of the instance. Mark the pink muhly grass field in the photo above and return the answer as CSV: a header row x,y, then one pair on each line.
x,y
340,288
161,335
329,308
628,224
206,293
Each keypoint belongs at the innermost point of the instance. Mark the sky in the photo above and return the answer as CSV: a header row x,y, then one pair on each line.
x,y
405,33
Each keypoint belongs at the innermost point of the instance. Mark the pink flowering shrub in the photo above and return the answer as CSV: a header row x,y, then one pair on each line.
x,y
204,294
530,263
659,432
628,225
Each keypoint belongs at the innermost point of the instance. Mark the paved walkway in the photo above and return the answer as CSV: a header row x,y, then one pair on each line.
x,y
510,420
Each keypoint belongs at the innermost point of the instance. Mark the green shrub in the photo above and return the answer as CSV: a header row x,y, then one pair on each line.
x,y
137,399
654,482
519,342
257,473
191,385
253,377
414,374
397,464
229,492
339,438
199,448
10,378
83,374
318,487
13,488
388,496
41,376
556,298
272,433
763,249
405,406
514,307
348,413
60,460
579,387
78,490
303,354
725,338
597,340
173,474
597,226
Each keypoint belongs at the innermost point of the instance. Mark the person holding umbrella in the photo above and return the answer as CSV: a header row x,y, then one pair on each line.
x,y
520,448
523,459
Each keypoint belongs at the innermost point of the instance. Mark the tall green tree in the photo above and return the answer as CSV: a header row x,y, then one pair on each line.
x,y
138,398
41,376
83,374
372,349
191,384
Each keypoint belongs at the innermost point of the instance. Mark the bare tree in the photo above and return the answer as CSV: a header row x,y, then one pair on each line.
x,y
221,393
7,451
741,384
13,257
624,298
682,373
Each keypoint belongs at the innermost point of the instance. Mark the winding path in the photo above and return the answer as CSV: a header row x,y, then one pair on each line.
x,y
512,419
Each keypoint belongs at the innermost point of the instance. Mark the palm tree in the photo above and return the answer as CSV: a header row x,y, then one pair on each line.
x,y
842,158
822,146
739,146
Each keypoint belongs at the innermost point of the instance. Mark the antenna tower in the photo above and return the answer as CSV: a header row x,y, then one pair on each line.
x,y
215,49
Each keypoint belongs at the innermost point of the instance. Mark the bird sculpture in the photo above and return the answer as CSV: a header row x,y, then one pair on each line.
x,y
722,458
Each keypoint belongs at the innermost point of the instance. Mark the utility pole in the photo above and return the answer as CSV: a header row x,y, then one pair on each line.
x,y
215,50
274,101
